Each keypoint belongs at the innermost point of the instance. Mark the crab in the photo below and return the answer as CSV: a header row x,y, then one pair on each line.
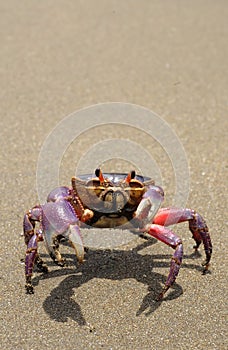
x,y
109,200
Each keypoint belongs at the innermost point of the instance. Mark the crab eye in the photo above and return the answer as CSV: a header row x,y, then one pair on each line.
x,y
94,186
135,184
136,189
93,182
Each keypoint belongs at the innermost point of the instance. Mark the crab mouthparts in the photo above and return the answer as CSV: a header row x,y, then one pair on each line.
x,y
114,200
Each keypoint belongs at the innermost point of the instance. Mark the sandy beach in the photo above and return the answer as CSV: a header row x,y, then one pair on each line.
x,y
167,57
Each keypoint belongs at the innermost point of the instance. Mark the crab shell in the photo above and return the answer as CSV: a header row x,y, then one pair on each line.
x,y
113,198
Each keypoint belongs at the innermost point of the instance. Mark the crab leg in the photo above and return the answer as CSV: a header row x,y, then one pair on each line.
x,y
166,236
197,225
31,240
30,257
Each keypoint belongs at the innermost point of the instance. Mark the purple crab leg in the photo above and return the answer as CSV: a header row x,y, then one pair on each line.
x,y
31,240
197,226
166,236
30,257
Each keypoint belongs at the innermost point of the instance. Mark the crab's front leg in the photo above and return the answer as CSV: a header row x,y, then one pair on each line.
x,y
166,236
31,240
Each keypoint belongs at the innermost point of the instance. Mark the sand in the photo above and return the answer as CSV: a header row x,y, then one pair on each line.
x,y
169,57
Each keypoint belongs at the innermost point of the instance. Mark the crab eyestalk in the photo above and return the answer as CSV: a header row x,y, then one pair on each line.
x,y
99,174
129,177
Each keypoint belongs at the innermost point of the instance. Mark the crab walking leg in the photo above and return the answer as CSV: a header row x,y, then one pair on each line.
x,y
197,226
31,254
165,235
31,240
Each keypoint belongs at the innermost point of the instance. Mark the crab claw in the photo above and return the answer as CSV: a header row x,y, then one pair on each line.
x,y
149,204
76,242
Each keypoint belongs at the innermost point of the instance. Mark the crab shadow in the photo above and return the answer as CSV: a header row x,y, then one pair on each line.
x,y
109,264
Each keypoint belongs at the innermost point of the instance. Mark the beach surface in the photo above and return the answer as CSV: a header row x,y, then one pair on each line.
x,y
169,57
